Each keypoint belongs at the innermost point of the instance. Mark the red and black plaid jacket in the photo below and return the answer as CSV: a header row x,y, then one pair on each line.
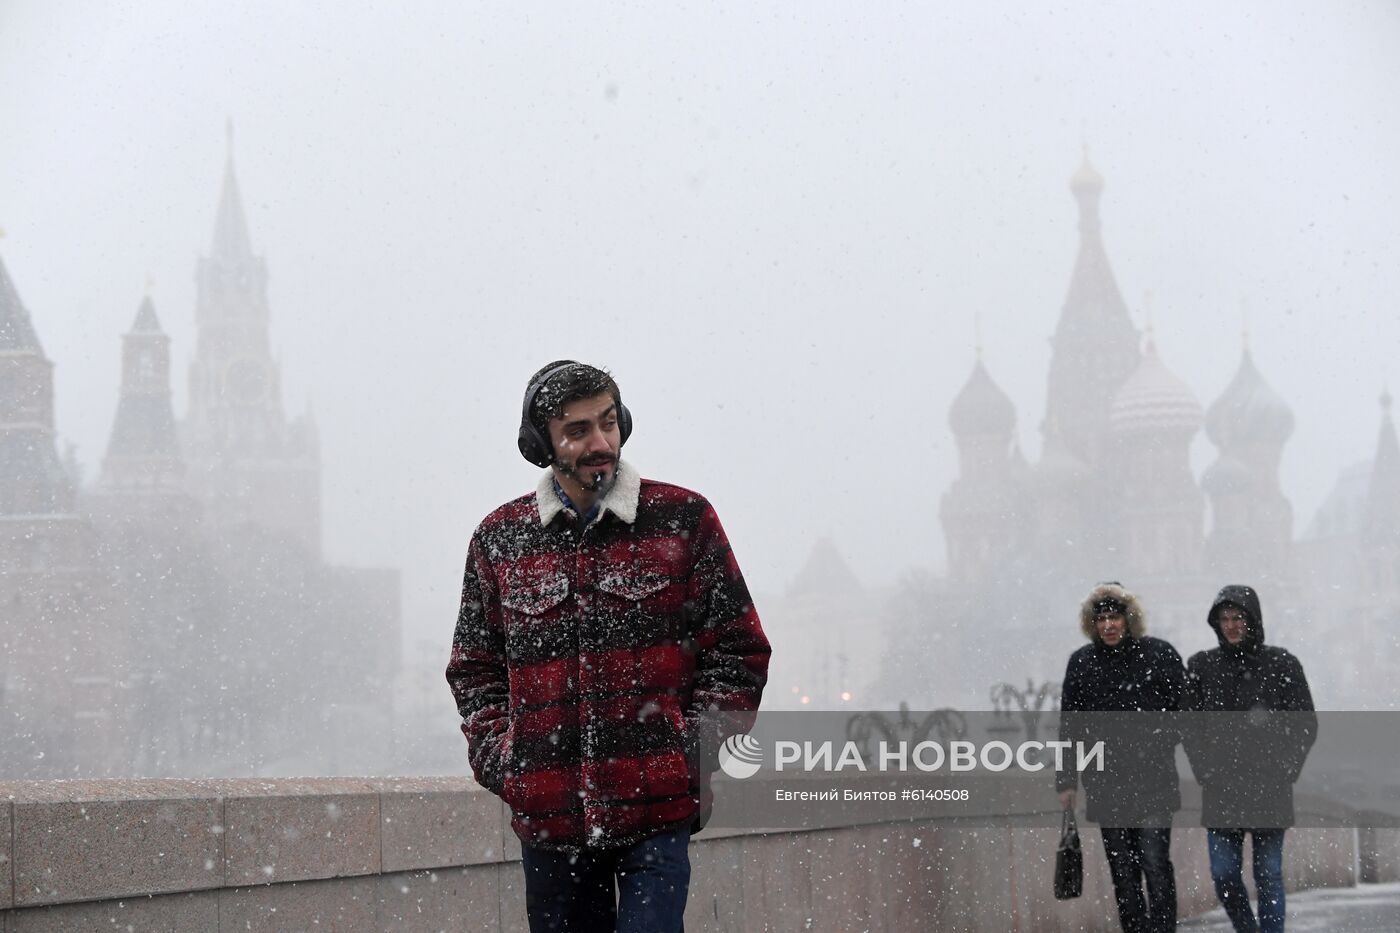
x,y
597,671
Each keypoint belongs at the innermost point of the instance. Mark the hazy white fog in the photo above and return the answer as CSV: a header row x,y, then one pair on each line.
x,y
775,225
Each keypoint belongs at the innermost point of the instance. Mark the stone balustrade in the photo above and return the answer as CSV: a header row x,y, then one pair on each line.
x,y
437,854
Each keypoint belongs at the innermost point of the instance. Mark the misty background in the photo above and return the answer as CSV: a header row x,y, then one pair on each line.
x,y
785,230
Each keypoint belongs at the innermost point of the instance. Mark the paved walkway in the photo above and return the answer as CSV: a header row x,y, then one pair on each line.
x,y
1369,908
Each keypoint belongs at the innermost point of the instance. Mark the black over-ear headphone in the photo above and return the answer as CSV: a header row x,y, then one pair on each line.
x,y
535,446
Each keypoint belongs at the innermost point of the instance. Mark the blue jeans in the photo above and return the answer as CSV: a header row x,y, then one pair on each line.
x,y
567,893
1226,865
1136,855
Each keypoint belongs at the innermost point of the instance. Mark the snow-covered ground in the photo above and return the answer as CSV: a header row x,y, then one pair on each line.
x,y
1363,909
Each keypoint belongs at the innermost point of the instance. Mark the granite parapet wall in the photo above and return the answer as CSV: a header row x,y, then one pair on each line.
x,y
436,854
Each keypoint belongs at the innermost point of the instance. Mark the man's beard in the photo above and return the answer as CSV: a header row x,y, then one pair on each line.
x,y
588,476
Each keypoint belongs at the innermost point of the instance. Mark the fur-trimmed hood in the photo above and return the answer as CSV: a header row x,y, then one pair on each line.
x,y
1137,616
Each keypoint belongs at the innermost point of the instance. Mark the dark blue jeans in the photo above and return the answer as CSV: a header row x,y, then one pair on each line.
x,y
575,893
1135,855
1226,868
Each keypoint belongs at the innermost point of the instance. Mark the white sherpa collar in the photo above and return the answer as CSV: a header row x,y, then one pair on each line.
x,y
621,500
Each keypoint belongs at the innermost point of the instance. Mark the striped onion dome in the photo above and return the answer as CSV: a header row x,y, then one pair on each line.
x,y
1154,400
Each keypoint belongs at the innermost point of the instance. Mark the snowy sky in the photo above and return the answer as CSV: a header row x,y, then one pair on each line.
x,y
775,224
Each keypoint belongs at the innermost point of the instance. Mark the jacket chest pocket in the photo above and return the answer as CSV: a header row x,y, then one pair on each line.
x,y
530,618
633,582
633,604
535,594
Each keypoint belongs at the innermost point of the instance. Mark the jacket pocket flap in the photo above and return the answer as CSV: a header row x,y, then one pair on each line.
x,y
535,595
633,581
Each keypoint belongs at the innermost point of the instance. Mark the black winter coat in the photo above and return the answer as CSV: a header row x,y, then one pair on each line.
x,y
1250,747
1139,783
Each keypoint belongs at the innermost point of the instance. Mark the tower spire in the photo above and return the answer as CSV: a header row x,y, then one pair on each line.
x,y
1095,346
34,480
146,321
1087,185
1383,496
16,330
231,241
1387,447
142,449
246,462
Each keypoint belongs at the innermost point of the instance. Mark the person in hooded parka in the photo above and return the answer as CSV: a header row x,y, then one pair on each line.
x,y
1247,743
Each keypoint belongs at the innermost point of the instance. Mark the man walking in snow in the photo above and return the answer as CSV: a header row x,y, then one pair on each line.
x,y
1246,763
605,647
1123,670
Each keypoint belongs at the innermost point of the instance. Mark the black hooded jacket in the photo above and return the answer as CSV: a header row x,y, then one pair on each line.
x,y
1248,752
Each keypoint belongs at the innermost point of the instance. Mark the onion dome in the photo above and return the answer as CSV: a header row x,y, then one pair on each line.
x,y
1224,476
982,409
1154,400
1249,411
